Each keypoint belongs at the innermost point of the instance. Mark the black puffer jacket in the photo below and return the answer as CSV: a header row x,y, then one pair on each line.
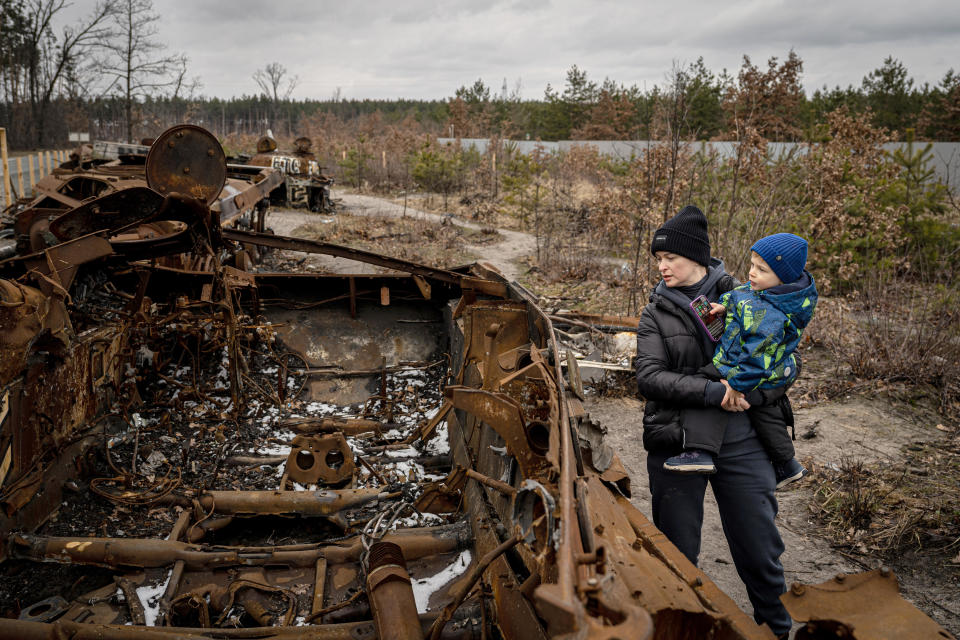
x,y
671,350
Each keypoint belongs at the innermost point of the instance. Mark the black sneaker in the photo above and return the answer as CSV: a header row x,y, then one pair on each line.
x,y
692,461
788,471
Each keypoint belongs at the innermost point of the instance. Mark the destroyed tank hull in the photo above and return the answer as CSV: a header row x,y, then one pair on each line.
x,y
197,445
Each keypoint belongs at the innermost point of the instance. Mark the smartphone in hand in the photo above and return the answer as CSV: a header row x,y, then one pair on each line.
x,y
711,322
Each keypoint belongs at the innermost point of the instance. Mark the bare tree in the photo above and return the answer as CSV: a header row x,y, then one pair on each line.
x,y
270,79
51,60
181,86
137,65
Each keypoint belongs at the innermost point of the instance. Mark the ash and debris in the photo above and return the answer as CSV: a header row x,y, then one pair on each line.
x,y
197,412
185,436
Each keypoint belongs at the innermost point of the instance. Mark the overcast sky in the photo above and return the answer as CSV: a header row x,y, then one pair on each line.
x,y
420,49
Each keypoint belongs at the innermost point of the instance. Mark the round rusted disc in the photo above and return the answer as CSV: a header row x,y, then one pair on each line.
x,y
187,159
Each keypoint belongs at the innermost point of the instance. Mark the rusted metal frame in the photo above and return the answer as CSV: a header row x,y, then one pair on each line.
x,y
364,630
113,211
60,262
47,192
129,552
463,587
319,585
562,597
51,486
176,574
504,415
373,471
516,614
326,248
654,542
234,205
22,630
568,533
488,287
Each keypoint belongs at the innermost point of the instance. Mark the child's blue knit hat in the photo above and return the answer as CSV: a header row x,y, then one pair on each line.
x,y
785,253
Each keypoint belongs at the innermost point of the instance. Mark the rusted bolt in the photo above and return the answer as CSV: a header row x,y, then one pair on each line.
x,y
697,582
637,545
186,169
170,143
840,577
598,529
797,589
210,152
885,572
179,134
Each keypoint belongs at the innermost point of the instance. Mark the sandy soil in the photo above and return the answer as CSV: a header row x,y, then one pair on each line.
x,y
867,428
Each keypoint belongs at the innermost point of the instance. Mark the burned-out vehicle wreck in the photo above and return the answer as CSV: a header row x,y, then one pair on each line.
x,y
197,443
304,183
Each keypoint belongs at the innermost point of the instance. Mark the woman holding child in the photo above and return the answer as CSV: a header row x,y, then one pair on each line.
x,y
715,414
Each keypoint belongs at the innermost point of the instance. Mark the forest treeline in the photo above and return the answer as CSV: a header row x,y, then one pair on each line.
x,y
47,89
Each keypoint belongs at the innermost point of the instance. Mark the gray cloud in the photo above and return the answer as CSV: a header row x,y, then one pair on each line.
x,y
426,49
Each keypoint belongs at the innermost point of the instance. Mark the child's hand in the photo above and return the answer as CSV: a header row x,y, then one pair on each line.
x,y
733,400
717,309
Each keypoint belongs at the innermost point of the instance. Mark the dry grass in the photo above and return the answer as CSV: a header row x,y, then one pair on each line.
x,y
415,239
888,510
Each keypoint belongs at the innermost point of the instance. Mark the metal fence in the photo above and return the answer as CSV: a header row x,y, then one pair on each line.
x,y
19,174
944,160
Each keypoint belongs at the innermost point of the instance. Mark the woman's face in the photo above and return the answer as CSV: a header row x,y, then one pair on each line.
x,y
678,271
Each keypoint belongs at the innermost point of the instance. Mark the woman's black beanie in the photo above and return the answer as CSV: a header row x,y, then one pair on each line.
x,y
685,234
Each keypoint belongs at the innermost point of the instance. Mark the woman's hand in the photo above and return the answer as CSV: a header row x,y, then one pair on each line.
x,y
733,400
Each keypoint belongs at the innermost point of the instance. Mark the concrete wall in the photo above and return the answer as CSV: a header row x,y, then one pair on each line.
x,y
945,156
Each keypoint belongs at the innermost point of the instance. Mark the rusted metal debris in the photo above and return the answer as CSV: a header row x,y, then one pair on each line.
x,y
194,446
304,184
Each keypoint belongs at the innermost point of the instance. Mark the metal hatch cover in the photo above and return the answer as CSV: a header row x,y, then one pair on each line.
x,y
187,159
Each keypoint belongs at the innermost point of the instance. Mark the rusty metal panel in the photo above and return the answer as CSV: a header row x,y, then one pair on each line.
x,y
864,606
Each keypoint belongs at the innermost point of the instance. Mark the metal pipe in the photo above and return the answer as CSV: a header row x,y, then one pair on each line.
x,y
132,552
502,487
304,503
390,593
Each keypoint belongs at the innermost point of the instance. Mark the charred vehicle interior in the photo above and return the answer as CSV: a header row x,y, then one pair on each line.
x,y
197,442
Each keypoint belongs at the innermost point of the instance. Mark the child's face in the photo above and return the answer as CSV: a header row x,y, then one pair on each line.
x,y
761,275
678,271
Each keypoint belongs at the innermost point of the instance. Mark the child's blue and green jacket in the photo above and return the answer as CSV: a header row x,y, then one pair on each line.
x,y
761,331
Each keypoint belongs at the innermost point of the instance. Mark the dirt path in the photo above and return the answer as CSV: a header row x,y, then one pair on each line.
x,y
502,255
